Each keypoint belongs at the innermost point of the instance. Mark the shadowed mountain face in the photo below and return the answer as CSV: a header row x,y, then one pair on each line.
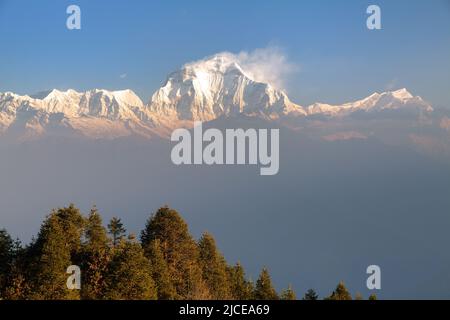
x,y
336,206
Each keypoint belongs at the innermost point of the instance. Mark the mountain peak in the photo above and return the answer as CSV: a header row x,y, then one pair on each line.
x,y
390,100
217,86
222,62
57,94
401,94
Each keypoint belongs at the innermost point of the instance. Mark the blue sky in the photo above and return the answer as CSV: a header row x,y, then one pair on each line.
x,y
339,59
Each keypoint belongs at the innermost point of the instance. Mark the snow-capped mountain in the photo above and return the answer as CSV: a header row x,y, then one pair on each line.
x,y
218,86
113,105
95,113
205,90
395,100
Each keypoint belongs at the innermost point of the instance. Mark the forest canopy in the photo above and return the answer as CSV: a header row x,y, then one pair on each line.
x,y
165,262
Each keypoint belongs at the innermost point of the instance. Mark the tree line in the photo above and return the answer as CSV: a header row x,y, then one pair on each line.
x,y
164,263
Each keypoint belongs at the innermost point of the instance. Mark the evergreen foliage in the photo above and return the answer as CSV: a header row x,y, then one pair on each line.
x,y
128,276
160,271
264,289
214,268
57,246
240,287
340,293
96,255
288,294
116,230
6,259
166,264
180,252
310,295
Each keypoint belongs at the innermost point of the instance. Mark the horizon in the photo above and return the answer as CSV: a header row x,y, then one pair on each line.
x,y
324,65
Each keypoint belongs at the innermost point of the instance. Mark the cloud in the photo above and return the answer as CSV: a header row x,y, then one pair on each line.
x,y
270,65
123,76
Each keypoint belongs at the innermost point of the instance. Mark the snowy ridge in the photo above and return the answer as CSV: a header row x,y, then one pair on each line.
x,y
95,113
205,90
393,100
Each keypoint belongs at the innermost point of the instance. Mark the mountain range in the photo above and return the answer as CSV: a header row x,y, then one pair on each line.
x,y
212,88
362,183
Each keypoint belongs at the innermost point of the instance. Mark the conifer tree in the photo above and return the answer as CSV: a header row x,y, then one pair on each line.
x,y
51,254
72,224
16,286
6,259
167,264
180,252
116,230
128,276
311,295
264,289
373,297
95,233
95,257
340,293
214,268
160,271
241,288
288,294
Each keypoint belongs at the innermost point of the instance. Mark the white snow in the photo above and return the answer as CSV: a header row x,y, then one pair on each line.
x,y
214,87
376,102
200,91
